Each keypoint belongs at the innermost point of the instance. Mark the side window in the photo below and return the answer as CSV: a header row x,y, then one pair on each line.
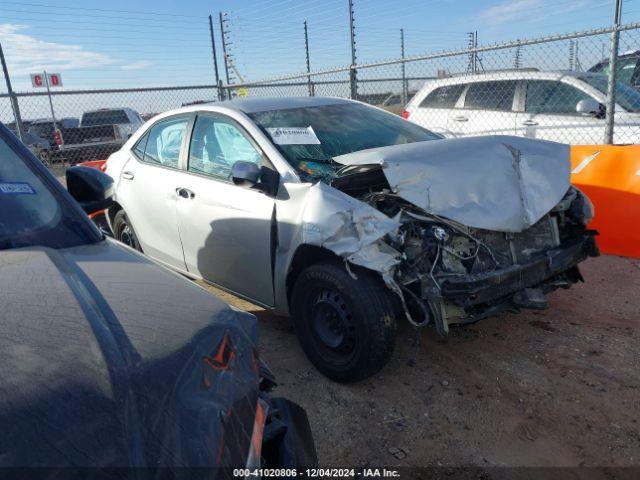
x,y
549,96
140,146
443,97
164,142
216,144
491,95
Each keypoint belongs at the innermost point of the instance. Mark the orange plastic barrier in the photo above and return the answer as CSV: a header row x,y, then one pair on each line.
x,y
99,164
610,177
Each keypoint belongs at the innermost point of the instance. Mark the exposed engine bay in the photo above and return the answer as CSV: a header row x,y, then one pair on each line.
x,y
451,273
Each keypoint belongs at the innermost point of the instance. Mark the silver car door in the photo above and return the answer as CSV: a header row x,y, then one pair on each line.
x,y
147,190
226,230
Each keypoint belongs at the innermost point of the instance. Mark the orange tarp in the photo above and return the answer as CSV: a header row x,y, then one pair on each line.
x,y
610,176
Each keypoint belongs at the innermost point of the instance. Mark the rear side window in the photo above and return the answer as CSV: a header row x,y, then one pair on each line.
x,y
163,142
491,95
104,117
549,96
140,146
443,97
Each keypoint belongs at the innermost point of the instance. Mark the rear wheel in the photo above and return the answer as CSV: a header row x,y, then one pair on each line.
x,y
123,231
345,326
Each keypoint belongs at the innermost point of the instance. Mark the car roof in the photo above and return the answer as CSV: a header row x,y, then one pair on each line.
x,y
520,74
108,110
254,105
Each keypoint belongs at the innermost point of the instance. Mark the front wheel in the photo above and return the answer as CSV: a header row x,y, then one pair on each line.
x,y
345,326
123,231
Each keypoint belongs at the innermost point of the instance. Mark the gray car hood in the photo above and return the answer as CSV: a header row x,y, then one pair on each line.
x,y
109,360
500,183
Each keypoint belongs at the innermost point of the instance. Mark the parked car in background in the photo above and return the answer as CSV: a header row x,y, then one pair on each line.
x,y
627,68
40,147
567,107
347,218
126,120
44,128
109,360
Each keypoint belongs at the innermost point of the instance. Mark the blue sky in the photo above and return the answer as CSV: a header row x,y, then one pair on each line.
x,y
166,42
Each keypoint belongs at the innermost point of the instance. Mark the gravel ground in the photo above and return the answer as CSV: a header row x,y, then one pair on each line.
x,y
559,387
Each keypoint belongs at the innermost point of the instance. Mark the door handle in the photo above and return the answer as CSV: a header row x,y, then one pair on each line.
x,y
128,175
461,118
185,193
529,123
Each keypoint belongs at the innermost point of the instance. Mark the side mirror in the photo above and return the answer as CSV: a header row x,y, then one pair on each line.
x,y
245,174
91,188
588,106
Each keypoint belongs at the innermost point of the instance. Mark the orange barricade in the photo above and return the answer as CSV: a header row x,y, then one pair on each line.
x,y
610,177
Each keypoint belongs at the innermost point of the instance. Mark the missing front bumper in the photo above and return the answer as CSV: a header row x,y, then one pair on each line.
x,y
467,299
488,287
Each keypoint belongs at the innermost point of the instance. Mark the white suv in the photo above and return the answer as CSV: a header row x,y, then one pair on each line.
x,y
566,107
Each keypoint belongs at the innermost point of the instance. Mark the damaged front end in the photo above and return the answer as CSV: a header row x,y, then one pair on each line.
x,y
504,235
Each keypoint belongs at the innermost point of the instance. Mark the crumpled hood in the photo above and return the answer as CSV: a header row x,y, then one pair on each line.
x,y
500,183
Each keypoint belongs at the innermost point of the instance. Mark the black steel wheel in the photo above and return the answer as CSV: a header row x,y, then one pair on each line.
x,y
346,326
123,231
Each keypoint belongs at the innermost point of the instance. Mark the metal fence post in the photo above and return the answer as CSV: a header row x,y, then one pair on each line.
x,y
353,75
611,85
306,51
12,97
405,88
215,57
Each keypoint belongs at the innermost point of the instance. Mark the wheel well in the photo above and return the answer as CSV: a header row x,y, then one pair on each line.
x,y
113,210
305,256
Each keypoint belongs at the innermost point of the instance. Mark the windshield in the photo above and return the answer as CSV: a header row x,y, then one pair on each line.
x,y
335,130
625,69
31,212
106,117
627,97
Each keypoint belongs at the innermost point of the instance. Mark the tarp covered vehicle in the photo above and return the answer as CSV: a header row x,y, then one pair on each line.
x,y
348,218
110,361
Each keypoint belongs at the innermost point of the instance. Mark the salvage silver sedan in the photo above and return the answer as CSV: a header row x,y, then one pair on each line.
x,y
349,218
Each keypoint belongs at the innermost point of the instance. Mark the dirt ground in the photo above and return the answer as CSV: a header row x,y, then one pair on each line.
x,y
559,387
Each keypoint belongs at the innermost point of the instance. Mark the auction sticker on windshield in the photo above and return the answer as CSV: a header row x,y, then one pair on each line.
x,y
16,188
293,136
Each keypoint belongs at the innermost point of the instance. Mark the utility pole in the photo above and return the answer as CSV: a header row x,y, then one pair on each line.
x,y
405,88
215,58
571,55
224,52
353,76
14,100
517,59
611,87
473,56
306,51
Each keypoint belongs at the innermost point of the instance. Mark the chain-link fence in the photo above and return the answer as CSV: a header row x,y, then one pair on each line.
x,y
91,124
554,88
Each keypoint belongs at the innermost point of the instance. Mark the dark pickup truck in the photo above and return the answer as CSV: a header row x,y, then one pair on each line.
x,y
80,144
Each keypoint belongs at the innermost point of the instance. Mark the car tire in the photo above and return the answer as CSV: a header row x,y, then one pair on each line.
x,y
123,231
346,326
